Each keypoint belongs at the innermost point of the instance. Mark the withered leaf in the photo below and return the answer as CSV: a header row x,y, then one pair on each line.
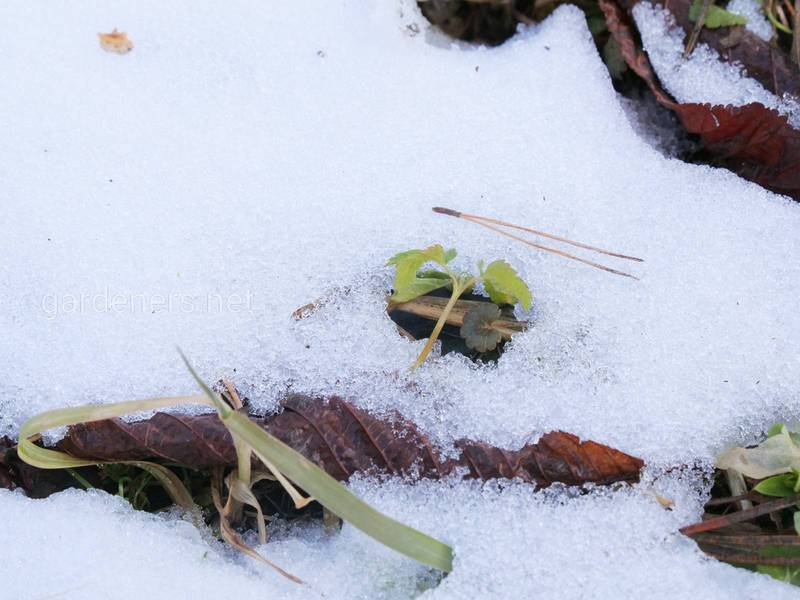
x,y
343,440
477,328
116,41
754,141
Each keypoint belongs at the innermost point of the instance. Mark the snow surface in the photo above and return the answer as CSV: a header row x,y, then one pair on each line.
x,y
509,543
246,159
703,76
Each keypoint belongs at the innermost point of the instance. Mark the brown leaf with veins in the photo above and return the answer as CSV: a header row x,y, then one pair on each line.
x,y
344,440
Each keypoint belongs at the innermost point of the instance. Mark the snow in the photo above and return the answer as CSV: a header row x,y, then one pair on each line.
x,y
509,542
244,160
702,77
757,21
656,125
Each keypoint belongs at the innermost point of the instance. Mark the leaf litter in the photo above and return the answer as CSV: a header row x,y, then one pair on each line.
x,y
399,490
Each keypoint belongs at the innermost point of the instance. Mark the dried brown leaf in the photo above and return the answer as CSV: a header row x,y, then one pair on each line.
x,y
116,41
343,440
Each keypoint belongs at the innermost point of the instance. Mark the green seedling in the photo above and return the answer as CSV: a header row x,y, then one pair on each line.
x,y
499,279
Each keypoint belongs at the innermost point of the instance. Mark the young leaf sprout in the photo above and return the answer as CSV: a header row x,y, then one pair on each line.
x,y
499,279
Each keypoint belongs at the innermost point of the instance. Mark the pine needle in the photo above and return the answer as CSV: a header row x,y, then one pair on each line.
x,y
490,223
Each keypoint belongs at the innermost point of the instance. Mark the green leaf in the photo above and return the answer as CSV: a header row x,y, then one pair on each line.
x,y
796,520
408,263
434,274
401,256
450,255
776,429
779,485
418,287
717,17
496,295
503,284
787,574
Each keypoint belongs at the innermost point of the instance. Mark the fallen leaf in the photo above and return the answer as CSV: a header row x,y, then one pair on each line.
x,y
344,440
116,41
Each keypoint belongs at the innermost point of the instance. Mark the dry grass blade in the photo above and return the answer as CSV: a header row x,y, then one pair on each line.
x,y
748,559
488,224
756,540
297,497
234,539
242,492
740,516
698,27
232,395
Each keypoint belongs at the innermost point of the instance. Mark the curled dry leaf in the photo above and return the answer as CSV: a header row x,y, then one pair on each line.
x,y
775,455
116,41
753,141
343,440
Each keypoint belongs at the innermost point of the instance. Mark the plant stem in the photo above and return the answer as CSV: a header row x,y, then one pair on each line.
x,y
738,487
242,474
458,289
698,27
80,479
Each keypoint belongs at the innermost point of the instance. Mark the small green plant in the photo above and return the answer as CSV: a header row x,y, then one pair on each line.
x,y
499,279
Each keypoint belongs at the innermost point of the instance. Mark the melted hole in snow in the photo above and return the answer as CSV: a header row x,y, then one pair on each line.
x,y
476,327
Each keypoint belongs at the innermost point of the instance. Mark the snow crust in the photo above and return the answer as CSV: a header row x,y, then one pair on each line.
x,y
247,159
703,76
